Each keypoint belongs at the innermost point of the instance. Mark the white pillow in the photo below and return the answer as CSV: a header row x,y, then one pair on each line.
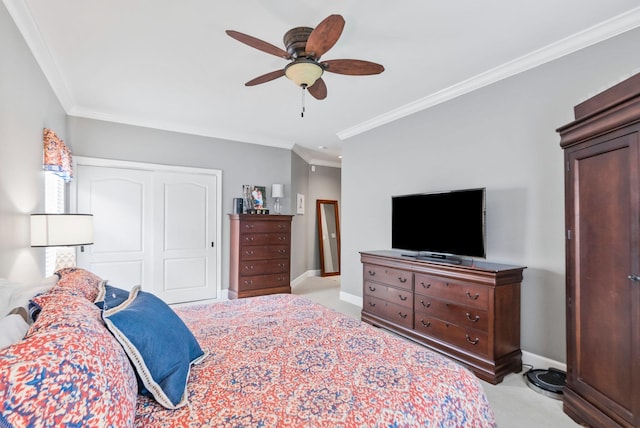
x,y
6,290
23,293
12,329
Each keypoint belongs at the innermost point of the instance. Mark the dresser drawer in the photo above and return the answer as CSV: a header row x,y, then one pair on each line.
x,y
256,282
390,311
248,252
465,338
454,313
263,238
260,267
260,226
395,277
472,295
398,296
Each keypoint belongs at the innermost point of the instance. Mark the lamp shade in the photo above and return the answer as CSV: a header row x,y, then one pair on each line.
x,y
60,230
304,72
277,190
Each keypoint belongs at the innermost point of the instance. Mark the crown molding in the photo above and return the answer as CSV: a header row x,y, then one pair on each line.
x,y
23,19
598,33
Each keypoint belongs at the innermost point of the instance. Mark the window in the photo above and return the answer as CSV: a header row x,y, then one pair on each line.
x,y
54,197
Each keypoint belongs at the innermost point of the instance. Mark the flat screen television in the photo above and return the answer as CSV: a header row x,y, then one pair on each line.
x,y
442,224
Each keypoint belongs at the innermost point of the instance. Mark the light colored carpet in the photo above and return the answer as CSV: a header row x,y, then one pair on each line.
x,y
514,403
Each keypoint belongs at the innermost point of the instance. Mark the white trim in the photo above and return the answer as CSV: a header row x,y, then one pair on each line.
x,y
540,362
304,275
598,33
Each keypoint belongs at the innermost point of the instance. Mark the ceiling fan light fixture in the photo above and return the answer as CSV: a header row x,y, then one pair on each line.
x,y
304,72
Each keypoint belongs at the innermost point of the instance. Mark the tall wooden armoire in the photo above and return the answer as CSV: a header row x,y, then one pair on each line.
x,y
602,203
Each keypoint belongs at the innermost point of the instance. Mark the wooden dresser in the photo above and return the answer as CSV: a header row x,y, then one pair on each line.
x,y
469,312
602,202
260,255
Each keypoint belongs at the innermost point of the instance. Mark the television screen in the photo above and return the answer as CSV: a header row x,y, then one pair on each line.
x,y
444,223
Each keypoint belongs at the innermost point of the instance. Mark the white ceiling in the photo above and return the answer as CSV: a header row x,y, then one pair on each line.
x,y
169,64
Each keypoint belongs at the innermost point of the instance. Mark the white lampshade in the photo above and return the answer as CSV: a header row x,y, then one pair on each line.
x,y
304,72
60,230
277,190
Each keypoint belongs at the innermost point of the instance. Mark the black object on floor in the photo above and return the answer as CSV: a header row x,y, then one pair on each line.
x,y
548,382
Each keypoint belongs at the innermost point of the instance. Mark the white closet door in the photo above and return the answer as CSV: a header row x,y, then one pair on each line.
x,y
185,243
120,201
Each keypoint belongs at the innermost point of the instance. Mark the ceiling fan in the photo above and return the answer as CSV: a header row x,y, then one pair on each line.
x,y
304,47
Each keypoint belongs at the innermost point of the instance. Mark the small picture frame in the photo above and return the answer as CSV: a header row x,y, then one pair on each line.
x,y
255,199
300,203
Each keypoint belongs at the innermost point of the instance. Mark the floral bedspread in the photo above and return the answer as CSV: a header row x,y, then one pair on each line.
x,y
285,361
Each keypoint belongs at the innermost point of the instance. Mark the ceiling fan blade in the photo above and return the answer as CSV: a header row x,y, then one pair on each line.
x,y
258,44
318,90
353,67
265,78
324,36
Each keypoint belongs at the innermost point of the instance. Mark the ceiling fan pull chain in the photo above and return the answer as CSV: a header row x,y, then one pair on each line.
x,y
303,91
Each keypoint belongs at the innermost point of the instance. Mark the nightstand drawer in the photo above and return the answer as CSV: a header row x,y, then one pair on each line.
x,y
398,296
395,277
465,294
466,338
394,313
454,313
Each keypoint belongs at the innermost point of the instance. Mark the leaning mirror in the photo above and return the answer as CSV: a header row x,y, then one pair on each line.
x,y
328,237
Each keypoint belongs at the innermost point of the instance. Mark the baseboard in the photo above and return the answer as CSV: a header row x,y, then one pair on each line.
x,y
350,298
540,362
304,275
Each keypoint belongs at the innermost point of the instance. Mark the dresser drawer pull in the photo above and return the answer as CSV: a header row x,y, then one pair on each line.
x,y
473,297
282,238
425,324
372,273
281,278
426,305
249,252
403,298
403,316
248,226
281,265
473,342
248,281
281,226
425,285
282,251
372,288
249,267
249,238
477,317
402,280
372,304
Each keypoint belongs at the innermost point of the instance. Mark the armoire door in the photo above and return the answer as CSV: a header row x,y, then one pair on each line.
x,y
153,225
603,302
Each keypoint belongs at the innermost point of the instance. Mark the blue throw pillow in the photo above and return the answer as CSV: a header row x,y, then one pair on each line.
x,y
158,343
113,295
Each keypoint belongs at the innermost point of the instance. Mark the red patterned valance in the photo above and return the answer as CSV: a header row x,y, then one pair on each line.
x,y
57,156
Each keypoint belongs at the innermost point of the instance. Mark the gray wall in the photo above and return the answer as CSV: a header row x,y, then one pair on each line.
x,y
240,163
503,138
27,104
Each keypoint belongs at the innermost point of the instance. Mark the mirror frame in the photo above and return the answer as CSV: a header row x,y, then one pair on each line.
x,y
319,213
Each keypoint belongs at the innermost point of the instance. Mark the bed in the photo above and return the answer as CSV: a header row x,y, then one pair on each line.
x,y
269,361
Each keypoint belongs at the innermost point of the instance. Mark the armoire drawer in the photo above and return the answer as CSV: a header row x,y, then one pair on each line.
x,y
399,296
390,311
259,226
453,312
467,294
260,267
263,252
466,338
256,282
394,277
263,238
